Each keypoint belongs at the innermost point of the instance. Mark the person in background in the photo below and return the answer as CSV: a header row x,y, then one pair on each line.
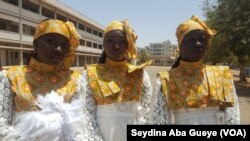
x,y
25,100
192,92
118,93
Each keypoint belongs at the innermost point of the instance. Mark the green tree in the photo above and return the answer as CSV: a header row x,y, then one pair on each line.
x,y
217,53
231,19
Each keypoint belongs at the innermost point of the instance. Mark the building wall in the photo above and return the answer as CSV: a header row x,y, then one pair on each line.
x,y
161,53
18,19
2,57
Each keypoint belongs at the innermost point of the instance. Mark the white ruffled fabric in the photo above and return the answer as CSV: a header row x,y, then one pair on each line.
x,y
56,121
7,133
8,114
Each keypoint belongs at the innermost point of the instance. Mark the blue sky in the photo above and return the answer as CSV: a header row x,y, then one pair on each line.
x,y
153,20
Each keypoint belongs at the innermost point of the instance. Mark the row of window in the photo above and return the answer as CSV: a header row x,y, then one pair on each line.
x,y
12,26
28,5
30,30
157,53
15,55
14,2
90,44
157,49
9,25
95,45
157,61
156,46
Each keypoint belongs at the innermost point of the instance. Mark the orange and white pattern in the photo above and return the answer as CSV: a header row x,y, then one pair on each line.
x,y
112,83
208,86
39,78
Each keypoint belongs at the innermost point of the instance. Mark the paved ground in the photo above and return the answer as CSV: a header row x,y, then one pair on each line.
x,y
242,89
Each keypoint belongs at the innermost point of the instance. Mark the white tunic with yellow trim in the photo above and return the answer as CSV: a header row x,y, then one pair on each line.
x,y
192,93
122,93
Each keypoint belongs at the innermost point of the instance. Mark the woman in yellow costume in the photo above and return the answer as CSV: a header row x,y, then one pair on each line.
x,y
47,117
120,90
192,92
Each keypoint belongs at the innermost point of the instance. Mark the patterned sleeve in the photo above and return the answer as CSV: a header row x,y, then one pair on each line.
x,y
233,113
159,114
6,105
143,109
92,130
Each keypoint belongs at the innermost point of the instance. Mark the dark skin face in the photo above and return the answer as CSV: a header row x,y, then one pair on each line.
x,y
51,48
115,45
194,46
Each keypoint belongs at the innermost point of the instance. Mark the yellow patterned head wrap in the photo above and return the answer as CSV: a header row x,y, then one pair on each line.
x,y
193,24
129,33
66,29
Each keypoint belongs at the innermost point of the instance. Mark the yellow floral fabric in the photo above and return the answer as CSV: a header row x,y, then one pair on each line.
x,y
39,78
112,83
129,33
193,85
193,24
66,29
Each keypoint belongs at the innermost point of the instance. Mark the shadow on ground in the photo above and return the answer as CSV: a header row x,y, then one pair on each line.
x,y
242,89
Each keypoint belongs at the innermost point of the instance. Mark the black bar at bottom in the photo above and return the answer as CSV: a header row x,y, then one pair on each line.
x,y
193,132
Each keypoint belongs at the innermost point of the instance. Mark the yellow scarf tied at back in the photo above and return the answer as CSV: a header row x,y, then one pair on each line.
x,y
66,29
193,24
129,33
